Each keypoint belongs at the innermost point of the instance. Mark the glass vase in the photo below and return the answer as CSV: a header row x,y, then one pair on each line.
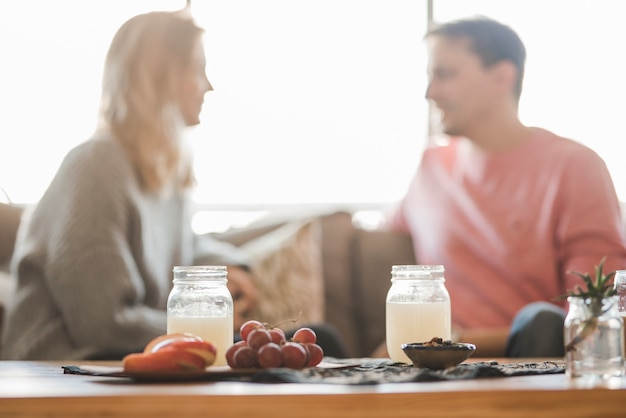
x,y
593,338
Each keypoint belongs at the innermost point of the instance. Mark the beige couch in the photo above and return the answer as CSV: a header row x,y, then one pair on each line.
x,y
355,266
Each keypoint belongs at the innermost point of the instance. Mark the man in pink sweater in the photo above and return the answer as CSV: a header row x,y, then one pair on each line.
x,y
507,209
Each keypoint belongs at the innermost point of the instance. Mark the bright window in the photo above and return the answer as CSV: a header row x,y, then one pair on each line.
x,y
315,101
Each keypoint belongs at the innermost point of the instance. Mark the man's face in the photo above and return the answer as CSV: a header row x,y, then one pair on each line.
x,y
462,89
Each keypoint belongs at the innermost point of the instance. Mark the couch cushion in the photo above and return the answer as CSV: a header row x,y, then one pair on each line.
x,y
240,235
374,253
288,268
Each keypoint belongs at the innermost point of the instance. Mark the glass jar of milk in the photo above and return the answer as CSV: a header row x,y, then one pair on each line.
x,y
417,308
201,304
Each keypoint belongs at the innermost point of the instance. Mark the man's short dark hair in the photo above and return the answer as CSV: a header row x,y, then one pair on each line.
x,y
491,40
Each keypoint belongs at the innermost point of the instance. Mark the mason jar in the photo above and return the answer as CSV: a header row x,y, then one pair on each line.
x,y
417,308
594,344
201,304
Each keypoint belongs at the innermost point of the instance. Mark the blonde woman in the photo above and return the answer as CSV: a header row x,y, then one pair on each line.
x,y
93,259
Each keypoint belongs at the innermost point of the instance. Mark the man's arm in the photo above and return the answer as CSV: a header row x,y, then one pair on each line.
x,y
590,221
489,342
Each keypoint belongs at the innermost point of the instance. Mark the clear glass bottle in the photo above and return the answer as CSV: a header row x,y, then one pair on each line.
x,y
201,304
619,282
594,344
417,308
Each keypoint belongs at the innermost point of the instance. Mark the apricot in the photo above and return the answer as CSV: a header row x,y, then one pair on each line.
x,y
202,348
183,341
163,361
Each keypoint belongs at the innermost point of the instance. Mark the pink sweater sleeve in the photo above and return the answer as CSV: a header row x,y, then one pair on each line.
x,y
590,225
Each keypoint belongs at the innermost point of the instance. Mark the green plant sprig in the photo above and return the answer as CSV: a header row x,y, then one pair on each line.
x,y
599,287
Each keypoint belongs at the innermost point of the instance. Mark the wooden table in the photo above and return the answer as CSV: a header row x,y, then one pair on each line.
x,y
40,389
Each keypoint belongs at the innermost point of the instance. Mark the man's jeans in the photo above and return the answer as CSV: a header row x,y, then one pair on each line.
x,y
537,331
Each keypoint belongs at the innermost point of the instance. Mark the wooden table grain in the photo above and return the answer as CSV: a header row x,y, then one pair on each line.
x,y
40,389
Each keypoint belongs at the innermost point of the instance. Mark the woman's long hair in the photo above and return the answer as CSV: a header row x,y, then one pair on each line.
x,y
139,106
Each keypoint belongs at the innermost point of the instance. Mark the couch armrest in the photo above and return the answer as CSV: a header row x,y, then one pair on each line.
x,y
374,253
10,216
337,234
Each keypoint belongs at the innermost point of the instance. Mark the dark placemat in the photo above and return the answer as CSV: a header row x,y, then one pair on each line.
x,y
369,372
376,372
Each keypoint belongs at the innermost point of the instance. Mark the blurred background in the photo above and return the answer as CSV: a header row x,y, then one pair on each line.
x,y
318,104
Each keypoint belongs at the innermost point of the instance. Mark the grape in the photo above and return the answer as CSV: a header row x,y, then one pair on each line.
x,y
305,335
247,327
231,352
316,354
245,357
258,337
294,355
264,346
278,336
270,355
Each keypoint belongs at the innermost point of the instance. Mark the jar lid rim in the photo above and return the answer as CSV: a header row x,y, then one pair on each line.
x,y
200,268
418,267
200,273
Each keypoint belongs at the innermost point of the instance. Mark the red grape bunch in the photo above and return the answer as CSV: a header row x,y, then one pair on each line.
x,y
263,346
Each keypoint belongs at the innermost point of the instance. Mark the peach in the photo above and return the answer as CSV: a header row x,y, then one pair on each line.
x,y
163,361
202,348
